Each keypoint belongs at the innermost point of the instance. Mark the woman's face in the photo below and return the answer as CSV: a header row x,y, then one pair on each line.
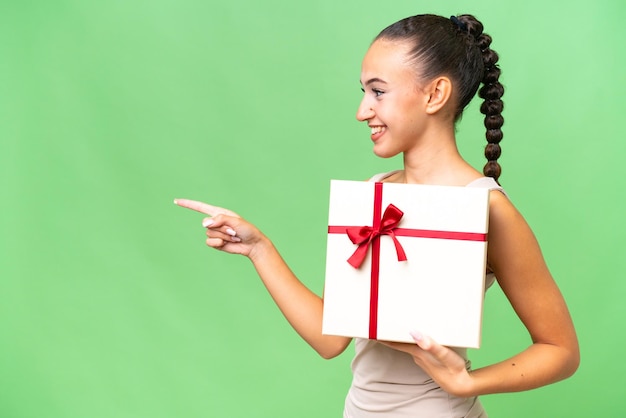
x,y
393,103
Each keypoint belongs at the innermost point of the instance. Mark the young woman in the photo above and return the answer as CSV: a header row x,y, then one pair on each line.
x,y
418,76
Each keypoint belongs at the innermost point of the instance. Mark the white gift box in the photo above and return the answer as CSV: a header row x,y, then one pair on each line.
x,y
438,290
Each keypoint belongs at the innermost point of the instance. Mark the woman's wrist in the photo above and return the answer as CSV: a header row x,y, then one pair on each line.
x,y
469,387
261,249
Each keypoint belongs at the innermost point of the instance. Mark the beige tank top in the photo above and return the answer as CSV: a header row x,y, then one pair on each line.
x,y
387,383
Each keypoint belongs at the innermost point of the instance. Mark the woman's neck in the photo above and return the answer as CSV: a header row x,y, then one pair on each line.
x,y
437,161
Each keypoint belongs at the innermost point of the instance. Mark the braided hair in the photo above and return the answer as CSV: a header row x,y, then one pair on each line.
x,y
458,48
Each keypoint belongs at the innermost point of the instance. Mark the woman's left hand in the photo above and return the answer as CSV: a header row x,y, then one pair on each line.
x,y
442,364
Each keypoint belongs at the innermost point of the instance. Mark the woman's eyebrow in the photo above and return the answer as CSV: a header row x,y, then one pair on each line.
x,y
374,80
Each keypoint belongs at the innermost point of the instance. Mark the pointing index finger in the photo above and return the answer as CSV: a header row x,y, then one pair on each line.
x,y
203,207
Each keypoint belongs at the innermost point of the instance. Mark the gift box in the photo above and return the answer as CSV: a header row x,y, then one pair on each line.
x,y
406,257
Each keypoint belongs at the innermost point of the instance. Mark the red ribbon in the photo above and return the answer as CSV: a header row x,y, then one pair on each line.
x,y
364,236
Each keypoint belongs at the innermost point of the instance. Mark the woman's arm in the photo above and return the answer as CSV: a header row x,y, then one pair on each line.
x,y
516,259
228,232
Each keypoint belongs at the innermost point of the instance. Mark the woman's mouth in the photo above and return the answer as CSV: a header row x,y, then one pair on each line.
x,y
377,131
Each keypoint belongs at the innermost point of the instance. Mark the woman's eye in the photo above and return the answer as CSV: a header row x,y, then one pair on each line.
x,y
376,92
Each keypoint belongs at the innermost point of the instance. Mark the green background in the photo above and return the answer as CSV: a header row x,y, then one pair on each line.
x,y
111,305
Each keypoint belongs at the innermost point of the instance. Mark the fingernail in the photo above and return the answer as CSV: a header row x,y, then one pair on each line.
x,y
207,223
417,336
175,201
231,232
235,239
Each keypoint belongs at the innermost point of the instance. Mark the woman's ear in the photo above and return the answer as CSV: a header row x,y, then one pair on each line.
x,y
438,92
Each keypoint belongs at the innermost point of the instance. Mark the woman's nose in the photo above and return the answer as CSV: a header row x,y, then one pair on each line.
x,y
364,112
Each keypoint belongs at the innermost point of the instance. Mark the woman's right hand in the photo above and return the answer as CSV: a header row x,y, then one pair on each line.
x,y
226,230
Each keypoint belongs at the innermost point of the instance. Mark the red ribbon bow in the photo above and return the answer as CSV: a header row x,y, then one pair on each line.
x,y
364,235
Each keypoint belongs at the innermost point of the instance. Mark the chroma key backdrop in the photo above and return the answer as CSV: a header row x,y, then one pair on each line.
x,y
111,306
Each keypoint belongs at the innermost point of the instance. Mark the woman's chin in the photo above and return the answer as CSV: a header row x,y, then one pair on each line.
x,y
384,153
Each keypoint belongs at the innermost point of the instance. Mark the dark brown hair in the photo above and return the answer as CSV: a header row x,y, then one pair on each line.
x,y
458,48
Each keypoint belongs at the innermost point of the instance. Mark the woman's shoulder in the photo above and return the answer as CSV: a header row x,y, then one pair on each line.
x,y
387,176
486,183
